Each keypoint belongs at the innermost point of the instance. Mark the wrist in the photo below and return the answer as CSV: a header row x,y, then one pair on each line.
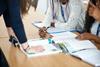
x,y
24,45
94,37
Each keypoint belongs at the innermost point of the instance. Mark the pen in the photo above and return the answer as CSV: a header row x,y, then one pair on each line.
x,y
44,29
63,47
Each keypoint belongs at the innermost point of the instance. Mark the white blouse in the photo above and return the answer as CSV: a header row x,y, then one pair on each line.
x,y
94,28
75,10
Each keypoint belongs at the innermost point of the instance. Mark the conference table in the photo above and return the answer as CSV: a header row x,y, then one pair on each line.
x,y
16,58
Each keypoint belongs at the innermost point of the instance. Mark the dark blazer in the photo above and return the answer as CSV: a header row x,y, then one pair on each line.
x,y
2,6
12,17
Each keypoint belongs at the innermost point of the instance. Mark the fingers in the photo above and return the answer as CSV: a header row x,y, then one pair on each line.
x,y
43,29
80,37
84,36
42,32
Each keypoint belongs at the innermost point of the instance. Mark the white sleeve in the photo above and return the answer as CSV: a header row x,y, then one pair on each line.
x,y
76,10
48,17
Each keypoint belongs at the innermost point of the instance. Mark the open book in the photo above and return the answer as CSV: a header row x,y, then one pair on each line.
x,y
84,49
41,47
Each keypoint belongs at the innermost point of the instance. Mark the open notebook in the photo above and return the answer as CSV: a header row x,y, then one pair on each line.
x,y
84,49
41,47
72,44
91,56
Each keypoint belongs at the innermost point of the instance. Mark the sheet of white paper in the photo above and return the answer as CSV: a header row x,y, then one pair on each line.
x,y
64,35
38,24
51,30
48,48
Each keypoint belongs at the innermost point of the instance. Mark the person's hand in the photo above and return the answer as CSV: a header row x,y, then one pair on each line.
x,y
31,49
44,34
25,45
85,36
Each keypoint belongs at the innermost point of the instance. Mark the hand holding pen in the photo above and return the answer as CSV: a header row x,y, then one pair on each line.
x,y
85,36
43,33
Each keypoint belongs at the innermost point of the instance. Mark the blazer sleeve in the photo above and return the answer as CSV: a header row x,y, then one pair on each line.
x,y
16,21
2,6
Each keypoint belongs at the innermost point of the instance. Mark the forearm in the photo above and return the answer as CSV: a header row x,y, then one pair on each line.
x,y
16,21
96,39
